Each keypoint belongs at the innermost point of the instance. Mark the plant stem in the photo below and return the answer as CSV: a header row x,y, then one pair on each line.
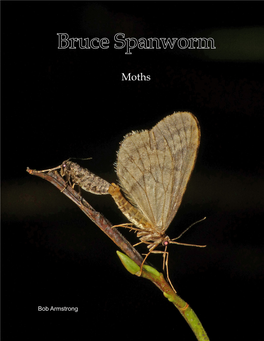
x,y
132,254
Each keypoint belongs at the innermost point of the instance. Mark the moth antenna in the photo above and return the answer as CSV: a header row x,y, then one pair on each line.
x,y
49,170
79,158
198,221
187,244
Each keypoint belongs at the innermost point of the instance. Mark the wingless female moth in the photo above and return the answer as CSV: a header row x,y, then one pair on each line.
x,y
76,175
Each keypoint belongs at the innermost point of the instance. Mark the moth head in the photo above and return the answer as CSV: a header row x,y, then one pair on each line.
x,y
65,166
166,241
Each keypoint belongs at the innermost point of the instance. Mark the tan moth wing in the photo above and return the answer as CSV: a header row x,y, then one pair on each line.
x,y
154,166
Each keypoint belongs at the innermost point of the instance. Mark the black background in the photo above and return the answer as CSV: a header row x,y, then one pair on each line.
x,y
58,104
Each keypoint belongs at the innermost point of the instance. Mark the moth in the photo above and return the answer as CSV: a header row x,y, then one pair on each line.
x,y
77,175
153,168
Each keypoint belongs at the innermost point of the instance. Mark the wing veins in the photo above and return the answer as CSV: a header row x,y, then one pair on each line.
x,y
144,169
165,226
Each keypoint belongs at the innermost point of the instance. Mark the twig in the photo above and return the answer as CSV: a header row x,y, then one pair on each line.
x,y
134,260
96,217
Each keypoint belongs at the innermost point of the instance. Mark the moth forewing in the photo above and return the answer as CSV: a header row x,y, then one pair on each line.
x,y
153,168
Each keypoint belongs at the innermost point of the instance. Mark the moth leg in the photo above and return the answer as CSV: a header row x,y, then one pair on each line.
x,y
68,182
167,271
141,267
165,257
126,225
141,243
166,264
81,198
64,187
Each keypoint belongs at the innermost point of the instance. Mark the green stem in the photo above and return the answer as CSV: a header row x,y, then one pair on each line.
x,y
157,278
